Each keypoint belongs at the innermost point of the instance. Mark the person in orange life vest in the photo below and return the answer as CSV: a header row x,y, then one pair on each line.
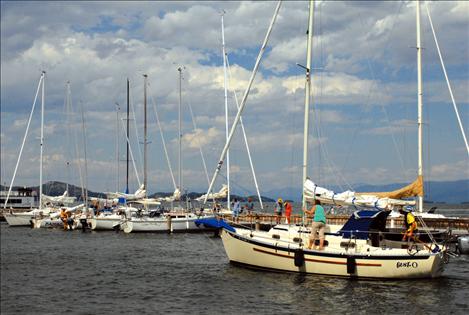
x,y
410,224
288,210
63,218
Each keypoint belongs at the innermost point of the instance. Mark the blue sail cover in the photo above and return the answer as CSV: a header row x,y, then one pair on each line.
x,y
361,222
215,223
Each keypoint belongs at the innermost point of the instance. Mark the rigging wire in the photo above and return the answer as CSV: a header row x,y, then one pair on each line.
x,y
41,80
447,79
162,138
373,77
139,147
370,91
323,152
197,138
131,155
248,150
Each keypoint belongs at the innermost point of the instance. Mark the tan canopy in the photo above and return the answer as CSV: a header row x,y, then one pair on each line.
x,y
411,190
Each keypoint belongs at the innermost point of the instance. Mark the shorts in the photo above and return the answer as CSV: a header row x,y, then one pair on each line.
x,y
235,213
317,227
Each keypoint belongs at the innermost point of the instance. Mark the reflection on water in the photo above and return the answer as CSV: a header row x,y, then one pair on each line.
x,y
52,271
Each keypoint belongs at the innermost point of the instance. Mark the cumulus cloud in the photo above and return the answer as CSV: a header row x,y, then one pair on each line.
x,y
361,59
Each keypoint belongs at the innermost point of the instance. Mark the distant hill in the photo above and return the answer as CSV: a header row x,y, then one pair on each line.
x,y
55,188
452,192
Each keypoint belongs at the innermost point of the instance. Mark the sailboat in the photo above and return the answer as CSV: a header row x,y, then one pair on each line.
x,y
53,218
169,221
360,248
111,220
24,218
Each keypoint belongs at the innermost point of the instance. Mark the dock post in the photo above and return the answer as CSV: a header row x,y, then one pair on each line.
x,y
170,225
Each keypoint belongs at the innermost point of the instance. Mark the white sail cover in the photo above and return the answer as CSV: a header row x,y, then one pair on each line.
x,y
148,202
139,194
64,199
175,197
223,193
56,214
350,198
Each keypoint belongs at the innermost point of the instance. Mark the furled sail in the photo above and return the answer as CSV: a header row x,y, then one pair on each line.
x,y
64,199
223,193
413,189
175,197
139,194
379,200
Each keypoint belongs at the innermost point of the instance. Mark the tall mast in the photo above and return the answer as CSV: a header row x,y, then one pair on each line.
x,y
420,105
228,200
128,128
307,97
145,77
68,111
180,132
84,155
117,146
42,139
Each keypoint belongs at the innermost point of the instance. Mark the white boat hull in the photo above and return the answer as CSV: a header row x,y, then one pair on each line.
x,y
105,223
53,223
161,224
271,255
18,219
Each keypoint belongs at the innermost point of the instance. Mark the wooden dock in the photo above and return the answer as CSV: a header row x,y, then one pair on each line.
x,y
461,225
267,220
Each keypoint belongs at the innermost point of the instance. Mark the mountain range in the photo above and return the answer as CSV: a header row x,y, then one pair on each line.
x,y
452,192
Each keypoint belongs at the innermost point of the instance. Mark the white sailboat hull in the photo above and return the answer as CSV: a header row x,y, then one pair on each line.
x,y
53,223
24,218
161,224
19,219
106,222
381,264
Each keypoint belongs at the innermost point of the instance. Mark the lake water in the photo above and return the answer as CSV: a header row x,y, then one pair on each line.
x,y
54,272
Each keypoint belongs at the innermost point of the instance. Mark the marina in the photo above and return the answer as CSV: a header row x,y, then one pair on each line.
x,y
234,157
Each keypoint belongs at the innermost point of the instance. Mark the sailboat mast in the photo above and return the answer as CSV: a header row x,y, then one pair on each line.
x,y
42,140
84,155
145,77
420,104
117,146
128,128
307,97
180,131
228,200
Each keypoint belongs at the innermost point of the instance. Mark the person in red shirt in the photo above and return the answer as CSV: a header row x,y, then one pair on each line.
x,y
288,209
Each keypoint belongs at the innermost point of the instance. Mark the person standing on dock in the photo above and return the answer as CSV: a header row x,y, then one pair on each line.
x,y
249,206
288,210
236,210
278,210
318,225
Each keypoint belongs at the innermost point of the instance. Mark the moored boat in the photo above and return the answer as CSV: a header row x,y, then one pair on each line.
x,y
167,222
359,250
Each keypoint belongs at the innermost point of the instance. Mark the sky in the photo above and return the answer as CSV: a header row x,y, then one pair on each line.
x,y
363,126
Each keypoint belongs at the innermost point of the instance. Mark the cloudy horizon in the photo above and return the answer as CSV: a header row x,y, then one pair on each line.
x,y
363,127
